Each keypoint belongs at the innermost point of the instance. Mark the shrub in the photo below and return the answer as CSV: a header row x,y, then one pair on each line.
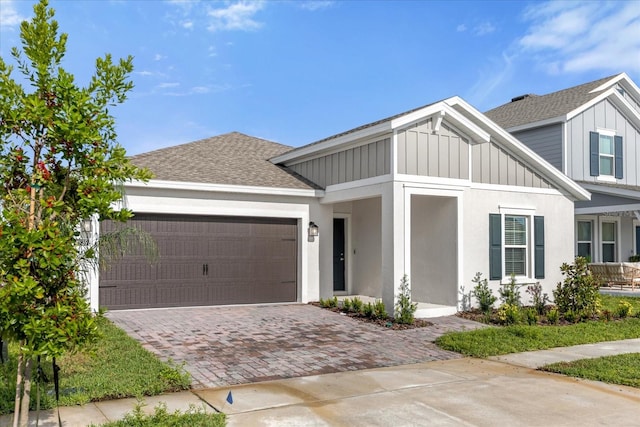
x,y
510,293
346,305
509,314
332,302
405,309
634,258
578,292
624,309
553,316
570,316
322,303
607,315
539,300
367,310
483,294
531,315
379,310
356,304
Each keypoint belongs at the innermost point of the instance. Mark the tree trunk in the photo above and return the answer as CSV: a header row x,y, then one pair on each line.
x,y
16,410
26,394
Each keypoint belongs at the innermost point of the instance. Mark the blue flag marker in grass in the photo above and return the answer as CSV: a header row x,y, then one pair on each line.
x,y
230,398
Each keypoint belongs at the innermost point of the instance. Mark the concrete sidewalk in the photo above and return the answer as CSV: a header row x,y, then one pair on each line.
x,y
459,392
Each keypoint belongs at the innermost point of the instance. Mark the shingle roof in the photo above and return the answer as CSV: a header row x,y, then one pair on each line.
x,y
231,159
534,108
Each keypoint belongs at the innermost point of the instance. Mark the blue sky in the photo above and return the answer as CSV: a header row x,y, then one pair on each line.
x,y
298,71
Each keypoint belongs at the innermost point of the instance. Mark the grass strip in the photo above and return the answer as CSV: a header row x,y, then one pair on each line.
x,y
621,369
193,417
116,367
518,338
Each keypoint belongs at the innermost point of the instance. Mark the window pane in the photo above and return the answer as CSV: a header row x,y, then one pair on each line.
x,y
606,165
515,230
606,144
584,231
608,252
515,261
584,249
608,231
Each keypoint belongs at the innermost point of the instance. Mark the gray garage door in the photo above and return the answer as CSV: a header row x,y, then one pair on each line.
x,y
205,261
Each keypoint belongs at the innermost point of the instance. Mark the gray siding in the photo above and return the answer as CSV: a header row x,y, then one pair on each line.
x,y
602,115
493,165
546,141
632,101
599,199
444,154
361,162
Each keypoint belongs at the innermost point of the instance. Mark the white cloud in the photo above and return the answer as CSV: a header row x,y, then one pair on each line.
x,y
461,28
236,16
483,28
159,57
168,85
187,24
576,37
9,16
315,4
144,73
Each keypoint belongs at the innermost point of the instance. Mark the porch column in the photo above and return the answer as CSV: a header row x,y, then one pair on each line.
x,y
393,242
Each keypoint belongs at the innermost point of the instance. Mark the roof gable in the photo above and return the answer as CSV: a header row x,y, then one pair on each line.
x,y
230,159
539,108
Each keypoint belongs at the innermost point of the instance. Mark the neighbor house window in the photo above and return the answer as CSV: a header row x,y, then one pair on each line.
x,y
515,245
585,239
608,241
606,153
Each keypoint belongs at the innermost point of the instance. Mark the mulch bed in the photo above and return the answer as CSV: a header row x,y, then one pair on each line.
x,y
388,323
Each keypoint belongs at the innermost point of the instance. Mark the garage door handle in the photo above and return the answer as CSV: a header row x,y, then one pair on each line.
x,y
205,269
289,281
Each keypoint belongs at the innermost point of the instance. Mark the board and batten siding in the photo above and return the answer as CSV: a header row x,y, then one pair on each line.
x,y
634,102
365,161
493,165
423,152
603,115
546,141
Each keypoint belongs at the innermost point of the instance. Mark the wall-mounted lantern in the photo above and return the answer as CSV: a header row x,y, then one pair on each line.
x,y
313,231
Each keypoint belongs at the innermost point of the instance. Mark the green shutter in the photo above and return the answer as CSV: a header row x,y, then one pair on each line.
x,y
495,246
538,231
618,156
594,150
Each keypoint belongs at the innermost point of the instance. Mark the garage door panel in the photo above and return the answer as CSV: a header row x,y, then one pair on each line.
x,y
206,261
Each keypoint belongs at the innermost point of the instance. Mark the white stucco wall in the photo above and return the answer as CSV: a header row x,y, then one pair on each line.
x,y
559,233
366,247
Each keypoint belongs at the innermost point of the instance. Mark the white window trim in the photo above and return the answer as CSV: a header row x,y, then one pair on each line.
x,y
595,232
612,134
529,213
602,219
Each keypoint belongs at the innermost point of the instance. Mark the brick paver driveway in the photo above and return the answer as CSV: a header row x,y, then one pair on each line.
x,y
234,345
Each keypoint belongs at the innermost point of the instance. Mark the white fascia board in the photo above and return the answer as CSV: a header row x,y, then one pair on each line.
x,y
524,152
612,191
331,143
607,209
514,189
223,188
442,109
610,83
358,183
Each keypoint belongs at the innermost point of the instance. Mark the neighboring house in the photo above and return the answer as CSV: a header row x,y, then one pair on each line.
x,y
591,133
438,193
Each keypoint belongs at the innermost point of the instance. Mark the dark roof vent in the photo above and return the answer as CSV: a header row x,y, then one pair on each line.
x,y
520,98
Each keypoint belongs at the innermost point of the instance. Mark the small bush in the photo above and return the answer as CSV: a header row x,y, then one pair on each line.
x,y
192,417
332,302
606,315
405,309
356,304
509,314
570,316
322,303
483,294
346,305
578,292
634,258
553,316
539,300
624,309
531,316
379,310
510,293
367,310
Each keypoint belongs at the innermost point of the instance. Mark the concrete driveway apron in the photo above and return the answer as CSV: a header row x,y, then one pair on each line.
x,y
243,344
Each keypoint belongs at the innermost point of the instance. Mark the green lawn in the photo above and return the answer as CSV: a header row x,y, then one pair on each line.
x,y
162,418
610,302
622,369
117,367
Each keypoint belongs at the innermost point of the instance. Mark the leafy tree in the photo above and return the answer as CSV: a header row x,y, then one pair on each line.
x,y
60,165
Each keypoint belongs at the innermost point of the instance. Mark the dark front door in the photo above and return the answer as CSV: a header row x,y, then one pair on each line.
x,y
338,255
637,240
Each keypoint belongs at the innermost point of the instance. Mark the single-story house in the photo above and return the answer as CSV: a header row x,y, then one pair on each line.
x,y
591,133
437,193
